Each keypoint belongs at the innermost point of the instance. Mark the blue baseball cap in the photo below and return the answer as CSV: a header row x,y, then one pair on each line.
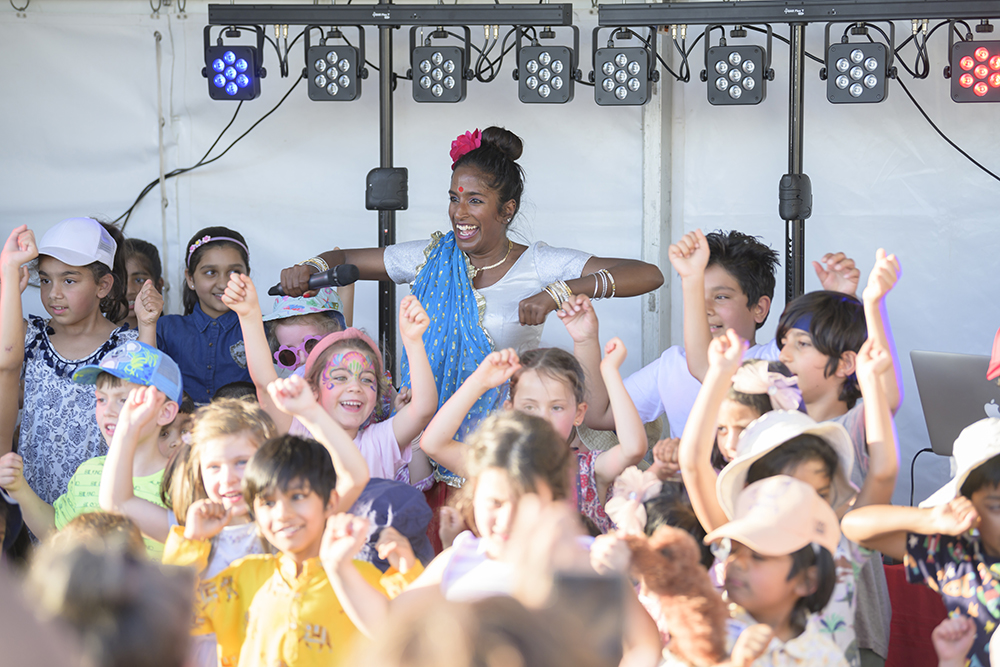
x,y
138,363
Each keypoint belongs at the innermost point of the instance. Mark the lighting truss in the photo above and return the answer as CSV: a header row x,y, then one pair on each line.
x,y
334,71
736,74
622,74
439,72
233,71
546,74
975,71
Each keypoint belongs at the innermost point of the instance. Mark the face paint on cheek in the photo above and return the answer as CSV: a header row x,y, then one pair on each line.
x,y
354,362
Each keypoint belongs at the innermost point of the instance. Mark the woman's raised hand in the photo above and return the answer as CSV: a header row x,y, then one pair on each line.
x,y
295,279
413,319
241,296
496,369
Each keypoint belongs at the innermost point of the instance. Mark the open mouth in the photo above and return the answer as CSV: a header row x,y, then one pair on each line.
x,y
351,406
466,232
109,429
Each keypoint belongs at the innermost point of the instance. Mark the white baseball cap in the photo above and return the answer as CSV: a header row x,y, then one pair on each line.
x,y
974,446
79,242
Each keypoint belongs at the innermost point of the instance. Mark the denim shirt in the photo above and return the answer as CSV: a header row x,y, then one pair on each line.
x,y
209,351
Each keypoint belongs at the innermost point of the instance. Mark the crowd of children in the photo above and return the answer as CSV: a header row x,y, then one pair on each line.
x,y
273,466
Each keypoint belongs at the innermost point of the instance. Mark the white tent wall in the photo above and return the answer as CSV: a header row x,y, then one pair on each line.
x,y
79,136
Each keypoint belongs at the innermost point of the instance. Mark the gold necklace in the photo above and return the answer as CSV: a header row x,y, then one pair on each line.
x,y
476,270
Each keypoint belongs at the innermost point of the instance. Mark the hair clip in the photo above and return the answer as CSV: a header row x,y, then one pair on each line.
x,y
463,144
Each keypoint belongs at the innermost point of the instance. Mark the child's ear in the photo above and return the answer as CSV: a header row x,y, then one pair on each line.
x,y
104,285
760,309
168,413
581,412
508,405
848,364
809,583
188,279
331,504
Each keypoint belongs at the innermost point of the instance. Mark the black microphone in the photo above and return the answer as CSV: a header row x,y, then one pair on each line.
x,y
336,276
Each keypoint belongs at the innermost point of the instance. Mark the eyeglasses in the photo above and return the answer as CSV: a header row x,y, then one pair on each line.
x,y
290,357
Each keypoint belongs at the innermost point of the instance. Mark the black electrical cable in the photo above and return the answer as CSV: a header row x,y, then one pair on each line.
x,y
647,44
785,40
912,463
203,162
943,135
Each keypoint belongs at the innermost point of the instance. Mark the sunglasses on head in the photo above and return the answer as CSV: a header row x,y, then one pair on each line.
x,y
290,357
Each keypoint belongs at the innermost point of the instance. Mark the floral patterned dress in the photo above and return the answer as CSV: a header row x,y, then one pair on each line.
x,y
588,500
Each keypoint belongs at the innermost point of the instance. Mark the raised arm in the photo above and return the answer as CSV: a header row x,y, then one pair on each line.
x,y
581,323
363,603
293,396
689,257
438,440
695,455
884,527
148,308
144,406
884,276
883,448
632,443
628,277
38,514
370,263
415,415
241,297
18,250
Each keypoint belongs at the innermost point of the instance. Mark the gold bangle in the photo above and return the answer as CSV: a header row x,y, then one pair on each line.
x,y
551,292
317,263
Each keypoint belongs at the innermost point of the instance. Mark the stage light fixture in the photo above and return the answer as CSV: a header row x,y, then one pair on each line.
x,y
334,71
975,71
439,72
859,72
546,74
622,74
736,74
233,71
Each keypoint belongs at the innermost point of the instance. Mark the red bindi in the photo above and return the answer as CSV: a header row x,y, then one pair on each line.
x,y
461,189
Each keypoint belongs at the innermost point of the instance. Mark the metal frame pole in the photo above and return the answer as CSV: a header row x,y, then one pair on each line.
x,y
795,231
386,219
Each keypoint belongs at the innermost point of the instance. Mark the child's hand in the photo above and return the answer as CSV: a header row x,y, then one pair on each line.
x,y
148,305
665,464
873,360
395,548
496,368
579,317
141,408
11,472
241,296
837,273
750,645
205,520
452,524
343,538
953,518
403,397
690,255
610,555
292,395
19,249
725,353
614,355
953,638
884,276
413,319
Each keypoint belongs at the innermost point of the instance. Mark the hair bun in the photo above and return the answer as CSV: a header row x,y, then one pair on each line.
x,y
504,141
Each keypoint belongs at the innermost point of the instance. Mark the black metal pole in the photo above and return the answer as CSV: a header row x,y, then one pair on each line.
x,y
386,219
795,231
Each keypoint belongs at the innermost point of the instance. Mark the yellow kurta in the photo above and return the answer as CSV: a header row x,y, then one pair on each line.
x,y
262,614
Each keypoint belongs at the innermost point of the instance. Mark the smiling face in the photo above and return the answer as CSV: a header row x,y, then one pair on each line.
x,y
69,293
348,388
292,334
210,277
760,584
553,400
477,216
223,460
293,519
727,306
734,417
110,401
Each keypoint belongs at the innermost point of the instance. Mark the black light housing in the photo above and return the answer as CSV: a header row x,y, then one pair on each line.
x,y
334,71
233,71
546,74
439,72
622,74
736,74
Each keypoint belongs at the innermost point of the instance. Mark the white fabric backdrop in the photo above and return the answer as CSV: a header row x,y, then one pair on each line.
x,y
78,127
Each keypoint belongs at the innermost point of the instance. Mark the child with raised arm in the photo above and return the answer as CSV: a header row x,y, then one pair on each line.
x,y
548,383
345,372
935,543
783,442
137,391
279,608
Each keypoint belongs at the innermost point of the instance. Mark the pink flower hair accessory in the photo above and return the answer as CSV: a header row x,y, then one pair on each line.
x,y
754,378
463,144
632,488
